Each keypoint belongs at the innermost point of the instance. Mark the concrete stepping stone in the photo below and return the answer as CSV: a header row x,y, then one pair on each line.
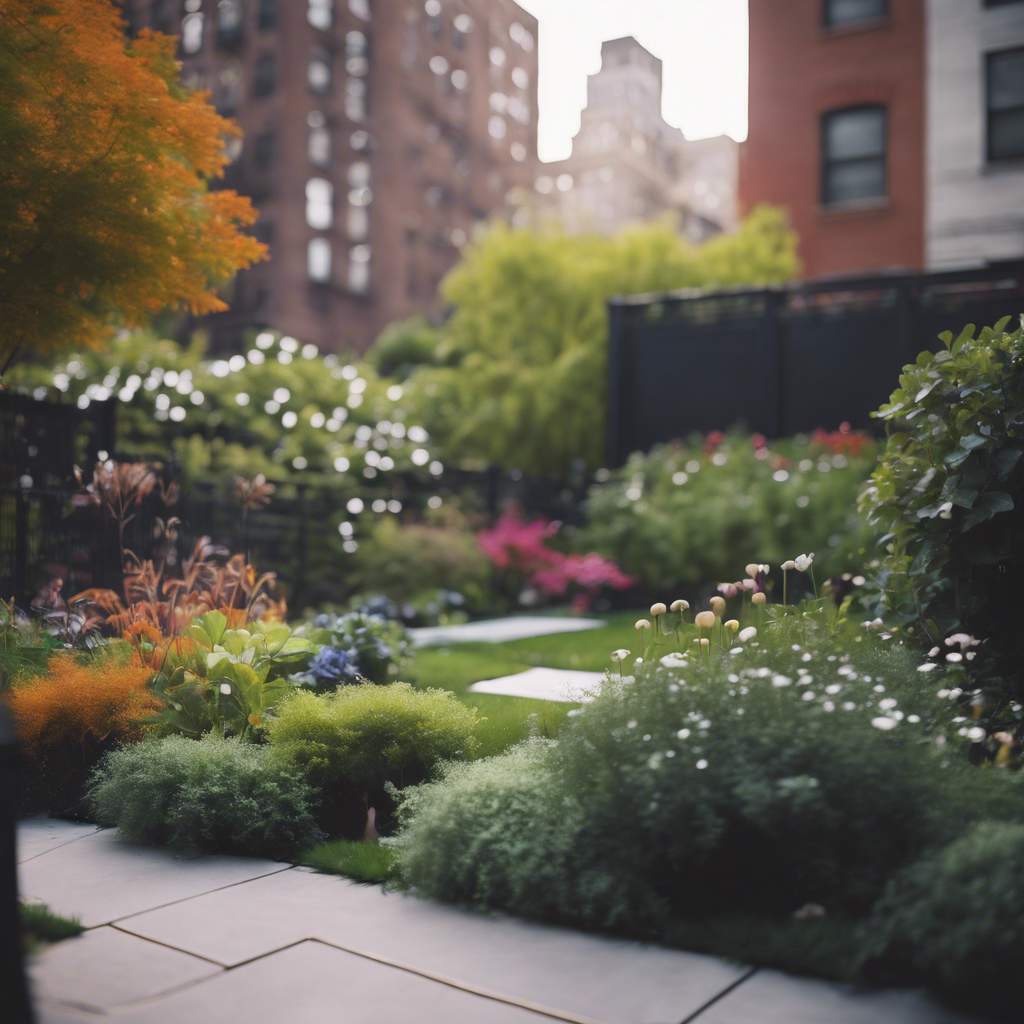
x,y
500,631
311,983
41,834
104,967
98,879
543,684
771,997
601,979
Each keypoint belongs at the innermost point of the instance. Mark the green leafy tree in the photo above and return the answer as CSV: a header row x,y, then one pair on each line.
x,y
530,325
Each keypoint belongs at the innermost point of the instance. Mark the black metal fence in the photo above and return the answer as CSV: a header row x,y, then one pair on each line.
x,y
304,534
787,359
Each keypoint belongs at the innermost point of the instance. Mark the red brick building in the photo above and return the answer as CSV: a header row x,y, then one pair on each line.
x,y
377,135
837,135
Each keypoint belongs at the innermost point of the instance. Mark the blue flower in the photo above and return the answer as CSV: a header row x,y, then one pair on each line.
x,y
333,666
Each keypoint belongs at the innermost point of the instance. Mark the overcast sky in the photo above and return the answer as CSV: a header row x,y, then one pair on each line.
x,y
703,44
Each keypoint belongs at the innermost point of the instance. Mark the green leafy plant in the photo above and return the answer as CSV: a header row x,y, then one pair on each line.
x,y
211,794
357,742
947,494
353,648
686,513
365,862
955,920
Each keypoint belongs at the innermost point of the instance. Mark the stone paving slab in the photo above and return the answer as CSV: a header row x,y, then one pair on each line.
x,y
98,879
312,983
499,631
771,997
40,834
560,684
600,979
105,967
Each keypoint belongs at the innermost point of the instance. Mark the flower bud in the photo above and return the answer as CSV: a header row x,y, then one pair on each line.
x,y
620,655
679,606
747,634
717,605
758,598
704,620
732,625
752,570
642,624
658,609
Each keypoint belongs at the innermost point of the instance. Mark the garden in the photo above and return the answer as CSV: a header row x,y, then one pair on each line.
x,y
798,740
808,762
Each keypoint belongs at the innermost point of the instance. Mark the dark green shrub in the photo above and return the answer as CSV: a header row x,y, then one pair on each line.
x,y
354,742
948,494
682,515
758,783
404,345
213,794
955,920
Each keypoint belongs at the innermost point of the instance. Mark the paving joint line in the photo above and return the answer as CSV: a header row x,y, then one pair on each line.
x,y
751,971
467,987
60,846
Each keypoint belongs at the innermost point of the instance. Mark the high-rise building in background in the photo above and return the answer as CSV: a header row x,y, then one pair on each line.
x,y
377,134
628,165
892,130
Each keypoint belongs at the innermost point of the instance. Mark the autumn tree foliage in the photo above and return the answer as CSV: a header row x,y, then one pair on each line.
x,y
105,165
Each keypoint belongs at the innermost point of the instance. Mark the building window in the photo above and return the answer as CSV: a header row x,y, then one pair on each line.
x,y
263,149
840,13
320,13
160,16
853,155
192,33
359,269
319,72
266,74
318,260
319,203
319,139
229,22
267,16
1004,101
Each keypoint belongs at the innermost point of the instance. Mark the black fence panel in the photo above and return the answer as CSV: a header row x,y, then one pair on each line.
x,y
784,360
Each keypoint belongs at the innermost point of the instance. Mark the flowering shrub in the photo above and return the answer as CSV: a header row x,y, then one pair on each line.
x,y
355,647
518,548
947,494
760,775
686,513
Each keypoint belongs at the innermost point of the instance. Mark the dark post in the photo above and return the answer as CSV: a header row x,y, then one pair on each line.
x,y
300,578
17,1007
775,338
617,434
492,484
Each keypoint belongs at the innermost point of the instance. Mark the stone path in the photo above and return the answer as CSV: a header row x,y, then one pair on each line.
x,y
499,631
175,940
561,684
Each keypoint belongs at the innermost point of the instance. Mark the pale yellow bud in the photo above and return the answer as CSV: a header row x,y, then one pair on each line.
x,y
704,620
658,609
642,624
758,598
679,606
752,570
718,605
732,625
705,643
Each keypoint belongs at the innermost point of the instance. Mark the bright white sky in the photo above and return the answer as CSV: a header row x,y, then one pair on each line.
x,y
702,44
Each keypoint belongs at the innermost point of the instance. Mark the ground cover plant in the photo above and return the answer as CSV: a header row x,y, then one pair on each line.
x,y
40,925
681,514
362,861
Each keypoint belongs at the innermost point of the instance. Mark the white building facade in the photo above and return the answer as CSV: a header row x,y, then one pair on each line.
x,y
975,132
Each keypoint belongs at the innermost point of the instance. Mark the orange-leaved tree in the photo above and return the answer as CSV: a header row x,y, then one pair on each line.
x,y
105,165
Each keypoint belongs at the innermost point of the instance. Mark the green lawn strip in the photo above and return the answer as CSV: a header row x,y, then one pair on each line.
x,y
40,925
363,862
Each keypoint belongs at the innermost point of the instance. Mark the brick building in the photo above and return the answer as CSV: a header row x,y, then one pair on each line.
x,y
837,128
377,133
628,165
898,141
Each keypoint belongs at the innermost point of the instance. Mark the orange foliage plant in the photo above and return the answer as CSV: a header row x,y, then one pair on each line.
x,y
75,700
105,165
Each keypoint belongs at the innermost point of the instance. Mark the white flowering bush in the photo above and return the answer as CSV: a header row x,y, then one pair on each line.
x,y
788,768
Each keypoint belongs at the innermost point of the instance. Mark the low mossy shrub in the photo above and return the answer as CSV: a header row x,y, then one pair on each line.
x,y
955,920
211,794
357,742
686,514
797,769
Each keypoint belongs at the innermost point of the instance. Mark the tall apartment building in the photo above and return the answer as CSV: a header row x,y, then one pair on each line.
x,y
377,134
629,165
899,141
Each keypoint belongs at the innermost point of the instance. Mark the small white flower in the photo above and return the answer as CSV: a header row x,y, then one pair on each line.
x,y
675,660
942,694
786,566
976,735
946,510
620,655
888,702
954,656
658,609
683,733
642,624
747,634
702,763
225,687
885,723
962,640
679,606
803,562
928,666
933,652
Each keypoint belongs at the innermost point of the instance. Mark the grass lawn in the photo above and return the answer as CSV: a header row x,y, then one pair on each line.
x,y
364,862
40,925
458,666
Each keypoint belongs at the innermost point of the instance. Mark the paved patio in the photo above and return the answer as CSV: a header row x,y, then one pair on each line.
x,y
174,939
